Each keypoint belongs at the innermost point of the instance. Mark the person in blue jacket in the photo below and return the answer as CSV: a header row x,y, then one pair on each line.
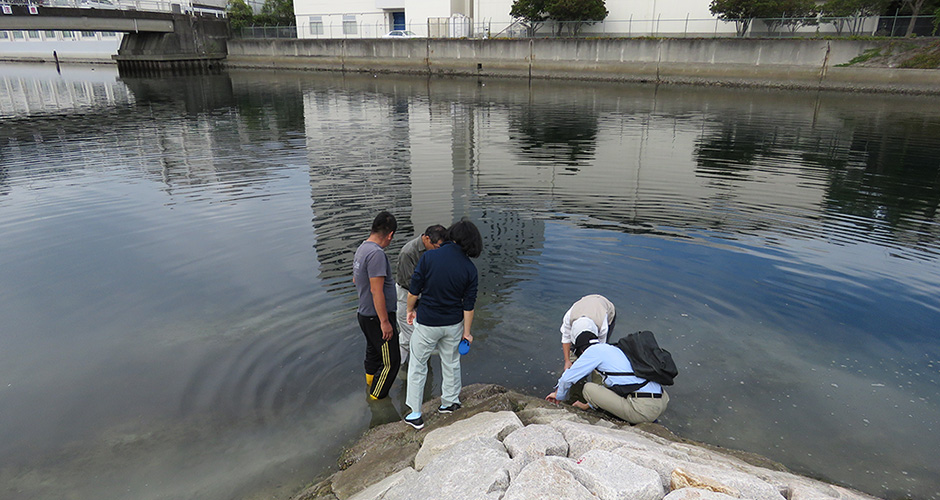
x,y
446,279
624,395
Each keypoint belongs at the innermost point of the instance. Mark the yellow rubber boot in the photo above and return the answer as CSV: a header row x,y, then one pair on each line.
x,y
369,378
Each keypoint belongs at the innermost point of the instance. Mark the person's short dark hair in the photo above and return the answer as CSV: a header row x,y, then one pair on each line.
x,y
384,223
436,232
585,339
466,235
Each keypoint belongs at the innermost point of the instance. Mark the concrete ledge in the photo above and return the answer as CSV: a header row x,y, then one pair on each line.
x,y
799,64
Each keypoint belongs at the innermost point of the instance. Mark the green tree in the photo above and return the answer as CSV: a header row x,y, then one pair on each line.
x,y
789,13
530,13
277,13
572,14
239,14
916,7
576,13
850,13
742,12
936,21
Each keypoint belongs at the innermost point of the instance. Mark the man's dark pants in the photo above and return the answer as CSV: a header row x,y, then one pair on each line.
x,y
383,358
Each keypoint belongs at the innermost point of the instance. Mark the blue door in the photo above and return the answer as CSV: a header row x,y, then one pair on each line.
x,y
398,20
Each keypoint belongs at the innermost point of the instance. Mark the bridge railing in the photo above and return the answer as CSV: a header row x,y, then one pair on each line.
x,y
182,6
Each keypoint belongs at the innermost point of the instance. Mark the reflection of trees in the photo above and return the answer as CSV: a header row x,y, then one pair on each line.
x,y
733,148
270,107
893,175
511,238
4,177
882,170
566,135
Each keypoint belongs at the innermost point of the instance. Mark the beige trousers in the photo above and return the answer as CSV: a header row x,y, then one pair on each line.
x,y
633,410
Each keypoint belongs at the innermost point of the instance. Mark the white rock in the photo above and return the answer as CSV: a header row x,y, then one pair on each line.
x,y
708,457
607,424
612,477
487,424
807,489
584,437
697,494
749,485
536,441
475,468
660,462
531,443
547,478
378,490
548,415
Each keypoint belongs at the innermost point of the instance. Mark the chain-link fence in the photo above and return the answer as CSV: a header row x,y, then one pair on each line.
x,y
265,32
688,27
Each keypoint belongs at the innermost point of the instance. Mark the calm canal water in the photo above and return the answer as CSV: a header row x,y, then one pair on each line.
x,y
176,309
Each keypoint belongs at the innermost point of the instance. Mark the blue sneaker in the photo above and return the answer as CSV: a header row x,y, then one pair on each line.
x,y
415,421
449,409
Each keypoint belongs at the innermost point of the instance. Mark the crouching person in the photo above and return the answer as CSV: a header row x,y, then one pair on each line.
x,y
623,394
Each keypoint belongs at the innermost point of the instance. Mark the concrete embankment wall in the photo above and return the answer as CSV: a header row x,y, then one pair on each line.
x,y
808,64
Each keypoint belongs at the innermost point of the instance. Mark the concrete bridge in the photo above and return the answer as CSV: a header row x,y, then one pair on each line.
x,y
171,41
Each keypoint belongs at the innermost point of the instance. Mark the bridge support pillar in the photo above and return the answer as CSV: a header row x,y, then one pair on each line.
x,y
198,44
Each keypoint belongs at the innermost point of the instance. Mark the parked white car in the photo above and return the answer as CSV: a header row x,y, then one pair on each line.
x,y
401,34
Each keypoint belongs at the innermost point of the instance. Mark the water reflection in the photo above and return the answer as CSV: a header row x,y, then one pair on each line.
x,y
177,295
889,175
350,181
563,132
36,90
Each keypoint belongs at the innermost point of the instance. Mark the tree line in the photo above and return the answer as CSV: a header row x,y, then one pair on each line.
x,y
845,15
273,13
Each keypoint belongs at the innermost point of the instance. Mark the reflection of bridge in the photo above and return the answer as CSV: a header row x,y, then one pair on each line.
x,y
178,39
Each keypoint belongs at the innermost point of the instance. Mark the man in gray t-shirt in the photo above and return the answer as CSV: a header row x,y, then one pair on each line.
x,y
375,285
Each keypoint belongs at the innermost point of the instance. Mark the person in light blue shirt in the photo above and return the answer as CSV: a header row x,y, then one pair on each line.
x,y
623,394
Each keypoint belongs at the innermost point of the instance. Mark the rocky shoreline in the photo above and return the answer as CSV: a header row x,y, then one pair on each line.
x,y
508,446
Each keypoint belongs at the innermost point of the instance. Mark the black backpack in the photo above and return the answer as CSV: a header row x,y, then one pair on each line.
x,y
649,361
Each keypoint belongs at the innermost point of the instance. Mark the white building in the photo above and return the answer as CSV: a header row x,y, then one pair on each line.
x,y
456,18
487,18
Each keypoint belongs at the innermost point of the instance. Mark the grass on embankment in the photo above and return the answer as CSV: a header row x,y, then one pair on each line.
x,y
919,54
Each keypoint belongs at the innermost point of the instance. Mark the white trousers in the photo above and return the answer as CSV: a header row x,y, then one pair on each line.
x,y
424,340
404,329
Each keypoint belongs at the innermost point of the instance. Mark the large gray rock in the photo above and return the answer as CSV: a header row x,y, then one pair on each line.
x,y
548,415
612,477
748,485
475,468
496,425
536,441
531,443
549,477
377,491
583,438
662,463
801,488
697,494
705,456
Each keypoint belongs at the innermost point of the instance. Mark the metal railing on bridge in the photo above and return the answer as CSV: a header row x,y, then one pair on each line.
x,y
180,6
